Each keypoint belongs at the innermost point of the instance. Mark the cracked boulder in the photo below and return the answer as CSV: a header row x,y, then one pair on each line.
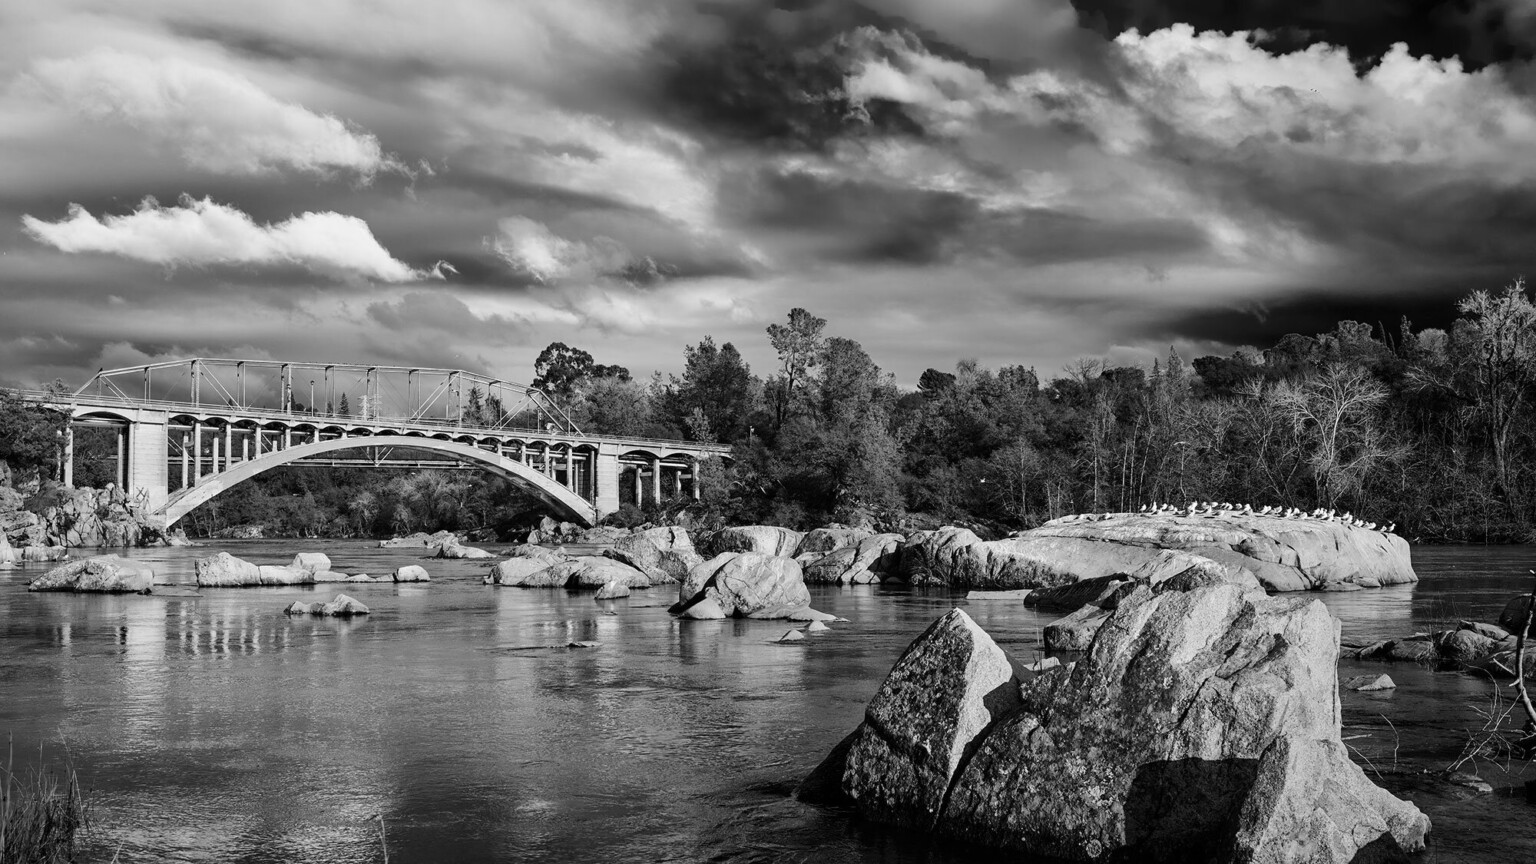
x,y
1200,725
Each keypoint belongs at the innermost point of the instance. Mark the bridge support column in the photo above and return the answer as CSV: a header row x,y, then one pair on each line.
x,y
149,468
656,481
185,458
605,479
677,484
229,446
695,473
67,474
197,452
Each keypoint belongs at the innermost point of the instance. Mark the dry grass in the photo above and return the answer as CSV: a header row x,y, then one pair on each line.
x,y
42,814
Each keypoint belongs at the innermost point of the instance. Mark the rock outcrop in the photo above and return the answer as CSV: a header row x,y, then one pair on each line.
x,y
764,539
831,539
421,539
1200,725
664,554
1283,554
1470,645
869,559
748,585
584,571
341,607
108,574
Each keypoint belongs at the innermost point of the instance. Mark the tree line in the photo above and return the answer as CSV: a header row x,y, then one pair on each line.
x,y
1433,429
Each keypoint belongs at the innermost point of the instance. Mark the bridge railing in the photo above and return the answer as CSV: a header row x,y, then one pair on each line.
x,y
450,426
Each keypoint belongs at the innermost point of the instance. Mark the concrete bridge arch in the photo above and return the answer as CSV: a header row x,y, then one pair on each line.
x,y
562,500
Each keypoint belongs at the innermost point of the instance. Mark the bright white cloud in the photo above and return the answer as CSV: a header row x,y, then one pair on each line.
x,y
1225,90
202,232
530,248
218,120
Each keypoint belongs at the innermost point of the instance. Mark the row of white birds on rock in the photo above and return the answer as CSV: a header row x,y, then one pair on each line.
x,y
1212,509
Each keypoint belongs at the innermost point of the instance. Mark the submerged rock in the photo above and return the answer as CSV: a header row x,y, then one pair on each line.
x,y
106,574
1200,725
341,607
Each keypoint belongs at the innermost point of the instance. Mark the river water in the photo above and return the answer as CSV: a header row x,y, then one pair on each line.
x,y
215,728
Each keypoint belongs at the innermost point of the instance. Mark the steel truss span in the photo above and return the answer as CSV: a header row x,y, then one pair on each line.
x,y
189,429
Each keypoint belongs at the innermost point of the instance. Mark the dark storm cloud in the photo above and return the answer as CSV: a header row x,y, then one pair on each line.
x,y
1314,311
777,77
865,221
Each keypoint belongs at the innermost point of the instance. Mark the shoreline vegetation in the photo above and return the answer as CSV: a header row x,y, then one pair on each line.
x,y
42,812
1434,430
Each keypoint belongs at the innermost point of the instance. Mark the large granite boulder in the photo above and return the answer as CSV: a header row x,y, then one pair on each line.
x,y
530,550
764,539
957,557
749,585
949,685
595,571
641,554
223,570
1284,554
873,556
514,571
831,539
108,574
1201,725
665,554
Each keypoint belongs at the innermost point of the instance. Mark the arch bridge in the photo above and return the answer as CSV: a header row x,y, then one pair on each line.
x,y
187,430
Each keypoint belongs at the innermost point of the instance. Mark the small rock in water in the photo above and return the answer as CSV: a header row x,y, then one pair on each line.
x,y
361,577
816,627
704,610
412,573
791,636
581,645
1015,594
612,589
1368,683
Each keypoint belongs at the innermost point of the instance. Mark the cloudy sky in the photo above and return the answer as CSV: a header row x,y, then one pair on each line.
x,y
462,182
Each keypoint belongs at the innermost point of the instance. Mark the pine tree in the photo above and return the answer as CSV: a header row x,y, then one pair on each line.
x,y
346,410
475,414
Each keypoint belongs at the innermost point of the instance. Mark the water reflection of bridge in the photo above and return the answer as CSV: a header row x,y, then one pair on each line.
x,y
189,429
